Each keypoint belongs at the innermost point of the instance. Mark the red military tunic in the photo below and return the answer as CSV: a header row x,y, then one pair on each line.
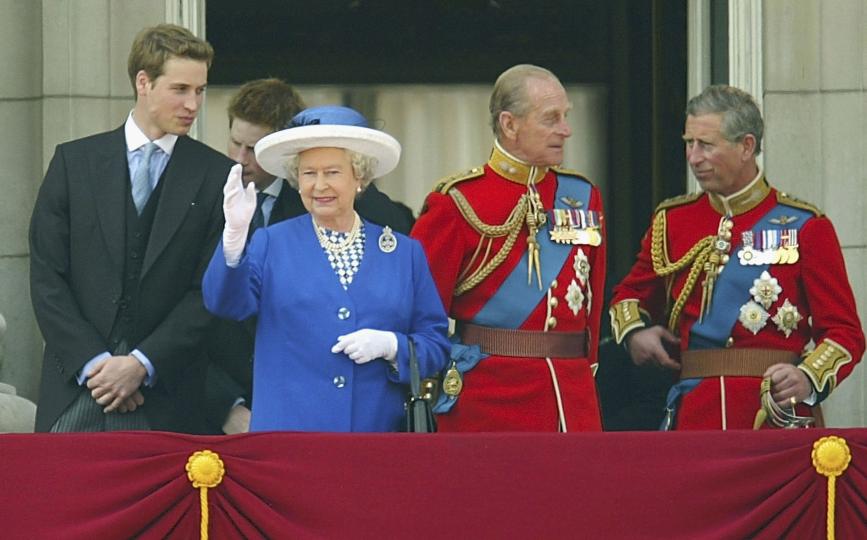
x,y
815,301
510,393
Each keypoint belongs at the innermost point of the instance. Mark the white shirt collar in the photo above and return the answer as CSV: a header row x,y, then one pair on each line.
x,y
275,187
135,137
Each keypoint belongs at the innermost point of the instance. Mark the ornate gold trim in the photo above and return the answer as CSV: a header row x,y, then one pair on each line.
x,y
205,470
570,172
831,457
696,256
443,185
680,200
515,170
822,365
625,317
741,202
788,200
510,229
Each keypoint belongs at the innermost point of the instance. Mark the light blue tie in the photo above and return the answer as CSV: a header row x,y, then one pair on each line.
x,y
141,182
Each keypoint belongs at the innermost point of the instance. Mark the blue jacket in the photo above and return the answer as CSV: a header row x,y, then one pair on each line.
x,y
286,280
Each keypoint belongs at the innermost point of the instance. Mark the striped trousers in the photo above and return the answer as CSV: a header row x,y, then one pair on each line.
x,y
85,415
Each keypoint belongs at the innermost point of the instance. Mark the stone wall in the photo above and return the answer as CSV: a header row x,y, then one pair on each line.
x,y
815,105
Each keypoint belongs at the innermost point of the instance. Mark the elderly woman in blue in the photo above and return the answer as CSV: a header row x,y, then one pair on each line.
x,y
337,298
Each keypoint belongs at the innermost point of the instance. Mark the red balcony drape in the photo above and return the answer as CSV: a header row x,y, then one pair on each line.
x,y
296,485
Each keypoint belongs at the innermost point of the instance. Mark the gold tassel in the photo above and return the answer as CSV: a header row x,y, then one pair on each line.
x,y
205,470
831,456
535,218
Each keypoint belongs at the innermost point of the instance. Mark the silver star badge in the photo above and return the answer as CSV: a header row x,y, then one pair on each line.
x,y
753,317
581,264
574,297
766,290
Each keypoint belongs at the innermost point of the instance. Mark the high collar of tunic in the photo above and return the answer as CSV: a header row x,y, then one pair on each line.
x,y
513,169
744,200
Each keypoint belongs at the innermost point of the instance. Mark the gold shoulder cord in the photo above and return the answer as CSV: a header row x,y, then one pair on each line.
x,y
510,228
697,255
789,200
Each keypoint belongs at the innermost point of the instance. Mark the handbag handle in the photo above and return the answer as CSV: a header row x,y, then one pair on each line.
x,y
414,377
419,417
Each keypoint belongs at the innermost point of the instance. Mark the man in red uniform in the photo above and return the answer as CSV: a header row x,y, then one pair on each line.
x,y
517,249
733,284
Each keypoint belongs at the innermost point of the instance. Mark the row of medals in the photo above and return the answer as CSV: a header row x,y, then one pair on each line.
x,y
768,247
576,227
565,226
573,226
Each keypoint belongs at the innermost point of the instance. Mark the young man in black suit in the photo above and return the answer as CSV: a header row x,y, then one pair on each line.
x,y
124,225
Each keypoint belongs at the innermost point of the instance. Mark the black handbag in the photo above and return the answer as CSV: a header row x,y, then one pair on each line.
x,y
419,417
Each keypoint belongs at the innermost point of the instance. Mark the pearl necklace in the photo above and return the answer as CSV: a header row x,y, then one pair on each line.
x,y
337,247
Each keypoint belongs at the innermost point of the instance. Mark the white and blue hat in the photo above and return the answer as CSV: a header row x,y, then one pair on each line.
x,y
329,126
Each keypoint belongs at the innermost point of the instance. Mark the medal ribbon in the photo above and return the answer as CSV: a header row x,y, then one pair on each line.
x,y
513,302
732,286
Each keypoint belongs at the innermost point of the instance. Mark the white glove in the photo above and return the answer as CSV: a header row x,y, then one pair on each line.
x,y
364,345
239,205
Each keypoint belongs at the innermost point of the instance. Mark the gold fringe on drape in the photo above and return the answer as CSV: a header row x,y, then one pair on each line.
x,y
831,456
205,470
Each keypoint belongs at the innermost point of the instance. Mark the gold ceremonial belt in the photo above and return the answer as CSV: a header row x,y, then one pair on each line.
x,y
732,362
524,343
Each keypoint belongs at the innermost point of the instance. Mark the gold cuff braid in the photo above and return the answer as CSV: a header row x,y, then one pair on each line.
x,y
822,365
625,317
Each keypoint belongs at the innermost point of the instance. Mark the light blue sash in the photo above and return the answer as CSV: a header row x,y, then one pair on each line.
x,y
732,287
513,302
731,291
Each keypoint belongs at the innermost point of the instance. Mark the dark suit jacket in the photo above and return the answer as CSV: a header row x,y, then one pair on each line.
x,y
374,205
230,346
288,205
77,252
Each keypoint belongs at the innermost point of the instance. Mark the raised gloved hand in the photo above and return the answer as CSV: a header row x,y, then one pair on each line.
x,y
239,205
366,344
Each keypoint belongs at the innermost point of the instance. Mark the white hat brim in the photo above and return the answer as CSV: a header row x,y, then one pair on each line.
x,y
274,151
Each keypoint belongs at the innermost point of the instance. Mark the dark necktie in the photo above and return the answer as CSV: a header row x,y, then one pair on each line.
x,y
258,216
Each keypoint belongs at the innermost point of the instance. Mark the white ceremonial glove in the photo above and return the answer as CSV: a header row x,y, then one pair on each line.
x,y
364,345
239,205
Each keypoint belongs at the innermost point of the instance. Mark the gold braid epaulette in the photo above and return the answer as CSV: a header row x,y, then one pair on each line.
x,y
697,255
444,185
788,200
571,172
510,228
680,200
